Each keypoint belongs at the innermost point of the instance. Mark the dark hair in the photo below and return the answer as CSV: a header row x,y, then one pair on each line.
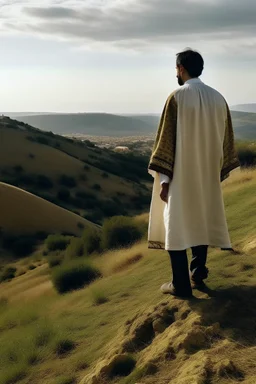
x,y
192,61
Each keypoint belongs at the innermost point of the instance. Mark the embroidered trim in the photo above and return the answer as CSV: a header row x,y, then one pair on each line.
x,y
156,245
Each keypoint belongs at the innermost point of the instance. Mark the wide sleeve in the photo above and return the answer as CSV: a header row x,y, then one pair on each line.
x,y
163,154
230,158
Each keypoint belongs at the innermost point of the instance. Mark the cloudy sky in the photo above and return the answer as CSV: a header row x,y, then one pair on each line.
x,y
119,55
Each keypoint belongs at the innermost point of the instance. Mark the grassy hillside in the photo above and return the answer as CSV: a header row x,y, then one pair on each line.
x,y
100,124
78,338
78,176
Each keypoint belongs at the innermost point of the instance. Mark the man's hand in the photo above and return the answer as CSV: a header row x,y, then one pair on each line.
x,y
164,192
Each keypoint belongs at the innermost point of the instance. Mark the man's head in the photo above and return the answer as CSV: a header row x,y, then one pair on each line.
x,y
189,64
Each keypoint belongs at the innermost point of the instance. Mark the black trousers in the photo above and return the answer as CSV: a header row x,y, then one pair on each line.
x,y
180,269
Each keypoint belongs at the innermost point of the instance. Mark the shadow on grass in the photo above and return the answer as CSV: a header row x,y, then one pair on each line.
x,y
234,308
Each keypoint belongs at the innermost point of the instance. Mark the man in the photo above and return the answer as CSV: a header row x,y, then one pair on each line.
x,y
193,152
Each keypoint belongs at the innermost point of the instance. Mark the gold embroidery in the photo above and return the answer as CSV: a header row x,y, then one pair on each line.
x,y
156,245
230,159
163,154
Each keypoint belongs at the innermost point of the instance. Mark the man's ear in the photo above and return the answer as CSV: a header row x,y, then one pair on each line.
x,y
182,69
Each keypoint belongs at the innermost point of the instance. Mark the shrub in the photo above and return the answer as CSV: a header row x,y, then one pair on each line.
x,y
20,246
55,259
31,156
68,181
73,276
89,143
42,140
86,168
80,225
26,179
44,182
8,273
97,187
99,297
75,248
111,208
63,195
105,175
120,231
64,346
31,267
92,241
96,216
85,195
57,242
83,177
247,156
15,374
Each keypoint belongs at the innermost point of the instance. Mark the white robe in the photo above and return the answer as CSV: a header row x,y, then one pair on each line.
x,y
194,214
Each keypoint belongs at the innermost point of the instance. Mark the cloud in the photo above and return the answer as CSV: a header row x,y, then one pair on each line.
x,y
135,23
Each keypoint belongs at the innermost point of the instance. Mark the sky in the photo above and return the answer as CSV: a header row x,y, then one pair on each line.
x,y
118,56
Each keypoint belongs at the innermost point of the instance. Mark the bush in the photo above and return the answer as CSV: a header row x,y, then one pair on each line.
x,y
105,175
83,178
99,297
63,195
42,140
92,241
57,242
247,156
20,246
73,276
95,217
8,273
44,182
64,346
86,168
55,259
68,181
31,156
111,208
26,179
97,187
120,231
75,248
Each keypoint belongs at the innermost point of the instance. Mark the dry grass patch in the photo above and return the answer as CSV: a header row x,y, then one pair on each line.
x,y
127,263
120,260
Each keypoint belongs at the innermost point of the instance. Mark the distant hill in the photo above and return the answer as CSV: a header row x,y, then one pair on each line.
x,y
97,124
245,107
103,124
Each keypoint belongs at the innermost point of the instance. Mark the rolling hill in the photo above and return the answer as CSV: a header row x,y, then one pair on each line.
x,y
23,213
99,124
77,176
137,335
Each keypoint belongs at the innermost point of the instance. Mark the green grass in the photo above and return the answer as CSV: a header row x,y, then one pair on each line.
x,y
29,333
